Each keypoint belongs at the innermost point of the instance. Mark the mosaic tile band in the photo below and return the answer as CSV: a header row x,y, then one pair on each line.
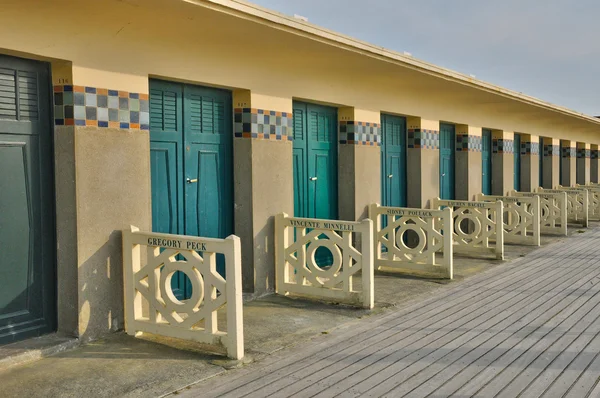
x,y
530,148
583,153
568,152
263,124
359,133
500,145
99,107
594,154
423,139
468,143
551,150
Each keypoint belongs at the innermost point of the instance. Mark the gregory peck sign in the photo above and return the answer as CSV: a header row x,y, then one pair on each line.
x,y
177,244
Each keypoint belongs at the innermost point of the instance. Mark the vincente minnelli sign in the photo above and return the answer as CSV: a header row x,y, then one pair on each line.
x,y
318,224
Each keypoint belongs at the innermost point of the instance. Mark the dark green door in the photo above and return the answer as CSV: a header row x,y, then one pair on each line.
x,y
486,162
517,162
27,242
191,136
447,145
541,158
393,161
315,166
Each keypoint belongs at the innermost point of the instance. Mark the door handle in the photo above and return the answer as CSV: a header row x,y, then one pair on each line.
x,y
390,176
444,175
190,181
313,178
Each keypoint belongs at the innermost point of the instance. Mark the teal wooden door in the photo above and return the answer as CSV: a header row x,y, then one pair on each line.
x,y
447,145
393,161
517,162
191,137
541,159
315,161
315,165
486,162
27,232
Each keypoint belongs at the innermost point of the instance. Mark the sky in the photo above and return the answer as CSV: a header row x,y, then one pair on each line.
x,y
549,49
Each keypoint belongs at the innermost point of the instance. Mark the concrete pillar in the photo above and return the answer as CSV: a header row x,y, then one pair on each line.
x,y
468,162
551,163
423,159
569,163
102,187
359,179
502,162
530,162
263,184
594,164
583,163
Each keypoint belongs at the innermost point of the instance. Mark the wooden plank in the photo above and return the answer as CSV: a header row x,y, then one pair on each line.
x,y
477,336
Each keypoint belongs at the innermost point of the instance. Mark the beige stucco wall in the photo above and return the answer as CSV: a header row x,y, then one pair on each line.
x,y
112,193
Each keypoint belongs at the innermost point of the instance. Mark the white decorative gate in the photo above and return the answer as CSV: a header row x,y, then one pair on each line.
x,y
553,210
577,204
521,218
594,199
476,224
151,305
431,251
298,271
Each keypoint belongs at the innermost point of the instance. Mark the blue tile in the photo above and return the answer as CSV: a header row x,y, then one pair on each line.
x,y
102,101
69,112
58,99
68,98
113,93
91,113
146,127
124,125
144,105
113,102
79,122
79,98
91,99
102,124
68,88
134,117
134,95
59,122
123,103
79,112
90,90
59,112
113,115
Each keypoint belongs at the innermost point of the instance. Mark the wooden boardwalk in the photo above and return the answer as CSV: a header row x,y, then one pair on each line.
x,y
530,328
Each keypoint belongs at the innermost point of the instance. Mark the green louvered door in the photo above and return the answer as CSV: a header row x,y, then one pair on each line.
x,y
27,232
191,164
393,161
486,162
315,165
447,145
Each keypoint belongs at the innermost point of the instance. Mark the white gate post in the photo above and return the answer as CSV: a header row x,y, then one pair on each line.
x,y
368,264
